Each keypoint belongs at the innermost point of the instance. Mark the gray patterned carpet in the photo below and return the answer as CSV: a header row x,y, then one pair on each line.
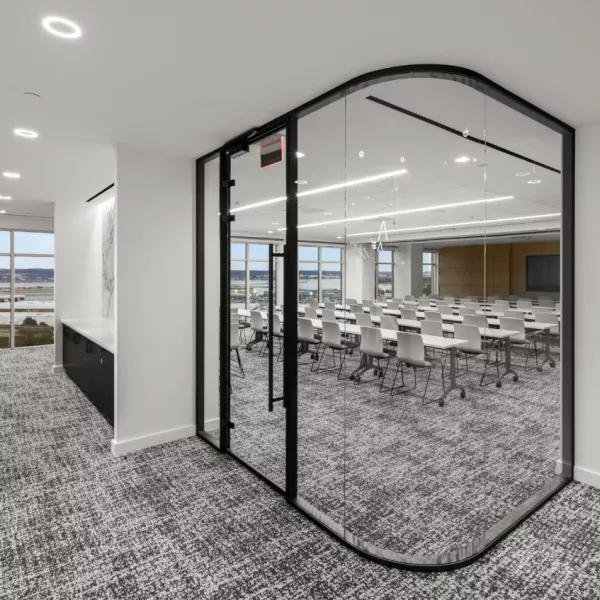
x,y
183,522
405,477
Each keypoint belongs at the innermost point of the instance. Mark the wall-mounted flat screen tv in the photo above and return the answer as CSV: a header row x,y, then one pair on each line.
x,y
543,273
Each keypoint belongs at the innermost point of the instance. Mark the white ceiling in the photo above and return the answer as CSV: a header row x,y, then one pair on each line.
x,y
354,138
182,77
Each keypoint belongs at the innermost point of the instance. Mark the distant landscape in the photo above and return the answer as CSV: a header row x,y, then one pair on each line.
x,y
28,275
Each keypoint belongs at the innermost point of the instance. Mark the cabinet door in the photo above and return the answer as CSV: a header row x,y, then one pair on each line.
x,y
67,348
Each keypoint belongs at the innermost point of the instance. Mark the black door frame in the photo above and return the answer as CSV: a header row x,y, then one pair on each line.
x,y
289,121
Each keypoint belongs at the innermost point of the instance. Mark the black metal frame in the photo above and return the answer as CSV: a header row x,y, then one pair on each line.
x,y
289,121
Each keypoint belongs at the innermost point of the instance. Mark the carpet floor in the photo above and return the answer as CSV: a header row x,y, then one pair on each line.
x,y
182,521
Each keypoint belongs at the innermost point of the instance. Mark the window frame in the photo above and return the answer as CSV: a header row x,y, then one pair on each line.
x,y
320,263
377,263
433,264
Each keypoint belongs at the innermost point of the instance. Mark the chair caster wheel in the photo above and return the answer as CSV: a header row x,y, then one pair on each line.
x,y
375,372
539,369
463,394
312,356
351,352
498,384
553,364
515,378
351,377
357,378
441,403
380,374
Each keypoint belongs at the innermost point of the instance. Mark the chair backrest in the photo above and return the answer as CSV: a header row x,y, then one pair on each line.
x,y
234,335
432,328
256,321
306,330
464,310
329,315
367,302
513,297
276,323
439,303
410,347
449,299
444,309
313,302
548,318
407,313
411,305
376,311
363,320
547,302
356,309
512,324
234,310
331,333
409,298
474,305
432,315
350,301
497,307
471,334
371,340
392,305
388,322
501,302
542,309
477,320
311,313
424,302
329,305
514,314
524,303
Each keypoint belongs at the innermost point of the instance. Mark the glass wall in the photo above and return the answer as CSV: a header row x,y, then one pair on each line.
x,y
429,401
27,300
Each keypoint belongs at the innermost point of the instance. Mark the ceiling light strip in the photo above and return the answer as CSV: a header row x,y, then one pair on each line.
x,y
407,211
328,188
450,225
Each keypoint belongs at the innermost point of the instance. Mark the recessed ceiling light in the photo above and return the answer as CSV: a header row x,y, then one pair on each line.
x,y
270,231
523,174
2,212
361,153
275,223
301,181
5,197
462,159
534,181
474,160
62,27
339,237
402,159
300,154
328,213
11,175
26,133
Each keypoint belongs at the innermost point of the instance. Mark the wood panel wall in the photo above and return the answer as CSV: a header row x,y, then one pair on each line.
x,y
468,270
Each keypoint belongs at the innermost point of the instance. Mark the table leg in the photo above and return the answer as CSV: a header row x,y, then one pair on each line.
x,y
453,384
508,368
547,358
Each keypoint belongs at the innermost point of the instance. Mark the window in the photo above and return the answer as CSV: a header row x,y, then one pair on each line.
x,y
384,274
249,275
319,273
27,299
430,273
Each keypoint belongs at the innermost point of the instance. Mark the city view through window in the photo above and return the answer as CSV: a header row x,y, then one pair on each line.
x,y
26,289
319,274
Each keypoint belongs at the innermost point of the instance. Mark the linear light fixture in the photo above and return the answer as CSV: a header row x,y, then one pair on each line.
x,y
327,188
407,211
452,225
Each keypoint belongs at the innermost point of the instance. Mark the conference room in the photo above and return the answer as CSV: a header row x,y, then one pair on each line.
x,y
426,240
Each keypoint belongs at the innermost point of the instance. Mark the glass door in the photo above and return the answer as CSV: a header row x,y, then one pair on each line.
x,y
256,423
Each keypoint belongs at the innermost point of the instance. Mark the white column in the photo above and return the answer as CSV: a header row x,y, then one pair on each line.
x,y
155,304
402,271
587,291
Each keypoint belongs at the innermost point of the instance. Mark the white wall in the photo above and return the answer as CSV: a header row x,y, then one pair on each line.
x,y
77,263
587,290
155,300
27,223
360,272
402,271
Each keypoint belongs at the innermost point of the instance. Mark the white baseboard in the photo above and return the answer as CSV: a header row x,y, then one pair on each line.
x,y
587,476
211,425
155,439
58,369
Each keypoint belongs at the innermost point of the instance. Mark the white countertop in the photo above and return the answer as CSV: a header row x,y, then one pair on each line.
x,y
99,330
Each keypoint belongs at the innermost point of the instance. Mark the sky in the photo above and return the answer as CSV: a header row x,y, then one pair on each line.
x,y
28,243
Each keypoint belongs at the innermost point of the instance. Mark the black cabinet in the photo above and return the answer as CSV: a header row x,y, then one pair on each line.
x,y
92,369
